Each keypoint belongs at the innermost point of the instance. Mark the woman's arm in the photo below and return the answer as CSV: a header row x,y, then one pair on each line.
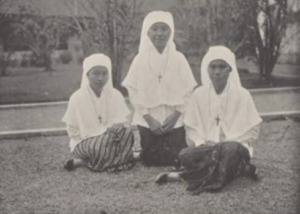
x,y
133,97
186,98
193,121
74,133
193,138
170,122
249,138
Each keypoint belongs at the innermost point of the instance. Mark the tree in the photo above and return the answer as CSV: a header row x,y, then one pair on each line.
x,y
205,23
267,29
252,28
39,34
6,28
108,26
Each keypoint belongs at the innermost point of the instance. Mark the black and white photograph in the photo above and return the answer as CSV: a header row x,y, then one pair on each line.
x,y
149,106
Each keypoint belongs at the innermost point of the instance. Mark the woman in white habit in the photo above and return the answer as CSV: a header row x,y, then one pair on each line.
x,y
95,120
159,83
221,110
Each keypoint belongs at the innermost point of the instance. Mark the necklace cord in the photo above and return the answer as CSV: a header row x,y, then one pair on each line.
x,y
95,105
209,104
161,74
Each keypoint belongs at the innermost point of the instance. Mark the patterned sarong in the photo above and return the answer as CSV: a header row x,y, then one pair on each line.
x,y
111,151
210,168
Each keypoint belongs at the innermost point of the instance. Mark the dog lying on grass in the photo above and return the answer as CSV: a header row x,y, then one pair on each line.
x,y
210,168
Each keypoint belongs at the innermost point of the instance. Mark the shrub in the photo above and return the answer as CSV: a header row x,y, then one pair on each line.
x,y
66,57
80,59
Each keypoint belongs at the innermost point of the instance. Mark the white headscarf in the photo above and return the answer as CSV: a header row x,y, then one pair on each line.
x,y
82,110
92,61
177,78
238,114
220,52
154,17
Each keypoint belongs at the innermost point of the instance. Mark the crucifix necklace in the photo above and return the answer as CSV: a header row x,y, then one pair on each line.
x,y
217,119
161,74
159,77
95,105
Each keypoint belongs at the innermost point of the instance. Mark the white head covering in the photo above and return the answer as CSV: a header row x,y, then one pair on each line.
x,y
154,17
177,78
83,110
223,53
93,61
234,107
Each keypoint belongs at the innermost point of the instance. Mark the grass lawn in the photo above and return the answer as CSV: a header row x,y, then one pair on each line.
x,y
29,85
33,181
34,85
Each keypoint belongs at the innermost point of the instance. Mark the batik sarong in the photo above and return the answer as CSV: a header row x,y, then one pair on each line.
x,y
111,151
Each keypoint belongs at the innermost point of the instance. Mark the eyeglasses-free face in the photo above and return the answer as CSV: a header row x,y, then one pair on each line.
x,y
159,33
98,77
218,71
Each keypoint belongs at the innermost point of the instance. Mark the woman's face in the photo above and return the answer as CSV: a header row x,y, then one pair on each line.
x,y
98,77
159,33
218,71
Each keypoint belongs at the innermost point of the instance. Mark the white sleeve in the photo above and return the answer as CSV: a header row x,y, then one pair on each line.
x,y
186,98
192,122
193,139
74,133
250,136
133,97
189,82
120,110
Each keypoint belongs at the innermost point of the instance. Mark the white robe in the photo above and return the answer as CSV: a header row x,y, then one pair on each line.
x,y
231,114
234,107
149,94
85,108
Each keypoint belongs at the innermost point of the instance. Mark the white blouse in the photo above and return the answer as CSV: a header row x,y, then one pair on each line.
x,y
100,106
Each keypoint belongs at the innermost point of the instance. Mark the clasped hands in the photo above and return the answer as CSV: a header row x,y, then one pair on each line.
x,y
167,126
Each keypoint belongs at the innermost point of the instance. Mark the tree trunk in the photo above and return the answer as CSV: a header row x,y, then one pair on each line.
x,y
48,61
4,63
268,43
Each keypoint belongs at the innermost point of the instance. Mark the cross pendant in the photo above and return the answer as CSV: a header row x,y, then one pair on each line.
x,y
218,120
159,77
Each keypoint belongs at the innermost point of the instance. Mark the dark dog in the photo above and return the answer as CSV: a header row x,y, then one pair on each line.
x,y
210,168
